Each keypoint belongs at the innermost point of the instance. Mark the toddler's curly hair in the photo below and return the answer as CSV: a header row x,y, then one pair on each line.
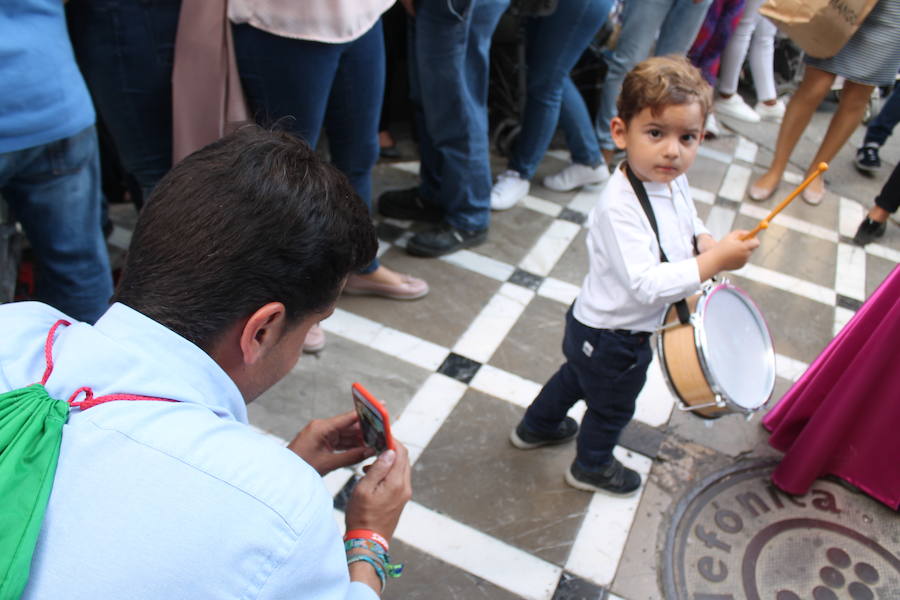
x,y
663,81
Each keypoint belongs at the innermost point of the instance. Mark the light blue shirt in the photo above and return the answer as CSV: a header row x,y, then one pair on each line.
x,y
158,500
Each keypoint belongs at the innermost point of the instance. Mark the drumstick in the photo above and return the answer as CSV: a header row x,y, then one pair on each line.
x,y
764,224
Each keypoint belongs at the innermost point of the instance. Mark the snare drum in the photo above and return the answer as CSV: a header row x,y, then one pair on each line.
x,y
722,360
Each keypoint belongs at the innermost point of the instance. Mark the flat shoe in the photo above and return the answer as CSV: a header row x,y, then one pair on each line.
x,y
813,197
412,288
315,340
758,193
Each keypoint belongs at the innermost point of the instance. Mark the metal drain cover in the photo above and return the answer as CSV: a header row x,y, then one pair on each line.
x,y
735,536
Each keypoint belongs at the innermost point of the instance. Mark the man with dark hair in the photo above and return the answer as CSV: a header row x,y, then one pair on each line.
x,y
162,490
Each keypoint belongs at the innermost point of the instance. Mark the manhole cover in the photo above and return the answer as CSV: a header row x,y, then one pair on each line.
x,y
735,536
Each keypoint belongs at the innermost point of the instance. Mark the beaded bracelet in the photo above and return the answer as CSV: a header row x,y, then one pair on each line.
x,y
372,561
393,570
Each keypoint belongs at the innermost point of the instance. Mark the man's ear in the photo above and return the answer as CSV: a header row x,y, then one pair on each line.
x,y
262,331
618,129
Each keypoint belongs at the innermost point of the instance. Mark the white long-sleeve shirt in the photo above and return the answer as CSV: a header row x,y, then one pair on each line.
x,y
161,500
627,287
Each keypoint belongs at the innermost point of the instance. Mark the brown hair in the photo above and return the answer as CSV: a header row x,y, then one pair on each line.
x,y
663,81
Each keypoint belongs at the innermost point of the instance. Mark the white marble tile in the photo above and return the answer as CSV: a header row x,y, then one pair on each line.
x,y
410,166
120,237
481,264
560,154
383,247
599,544
746,150
506,386
850,215
409,348
842,316
585,200
793,177
401,223
792,223
488,330
735,183
788,283
426,412
714,154
883,252
850,273
544,255
558,290
703,196
789,368
542,206
478,553
655,402
720,221
353,327
336,480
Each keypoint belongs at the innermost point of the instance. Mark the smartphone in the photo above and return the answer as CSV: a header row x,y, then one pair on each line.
x,y
373,419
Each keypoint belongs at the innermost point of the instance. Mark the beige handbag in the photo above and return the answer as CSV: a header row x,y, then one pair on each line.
x,y
207,100
819,27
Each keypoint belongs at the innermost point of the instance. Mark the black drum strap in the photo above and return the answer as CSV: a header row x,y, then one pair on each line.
x,y
681,307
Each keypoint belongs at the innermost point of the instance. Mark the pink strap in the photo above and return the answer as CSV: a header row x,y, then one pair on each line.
x,y
89,400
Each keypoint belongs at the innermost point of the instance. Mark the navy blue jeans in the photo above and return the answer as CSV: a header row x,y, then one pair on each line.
x,y
881,127
605,368
305,86
54,192
554,44
125,50
449,47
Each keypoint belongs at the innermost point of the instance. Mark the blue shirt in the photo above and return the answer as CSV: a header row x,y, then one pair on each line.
x,y
43,97
156,500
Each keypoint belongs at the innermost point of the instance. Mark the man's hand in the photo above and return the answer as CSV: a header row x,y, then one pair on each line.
x,y
378,498
328,444
410,7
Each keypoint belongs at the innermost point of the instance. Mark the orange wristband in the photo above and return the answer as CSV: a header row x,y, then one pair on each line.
x,y
366,534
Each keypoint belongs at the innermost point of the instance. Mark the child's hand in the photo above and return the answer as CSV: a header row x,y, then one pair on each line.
x,y
705,242
731,252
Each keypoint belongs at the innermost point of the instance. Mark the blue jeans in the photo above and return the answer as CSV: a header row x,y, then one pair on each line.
x,y
54,192
605,368
676,21
881,127
305,85
554,44
125,50
449,47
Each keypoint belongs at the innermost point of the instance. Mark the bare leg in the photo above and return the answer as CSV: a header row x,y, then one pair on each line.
x,y
852,106
800,109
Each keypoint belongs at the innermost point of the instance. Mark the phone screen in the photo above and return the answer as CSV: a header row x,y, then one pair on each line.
x,y
373,420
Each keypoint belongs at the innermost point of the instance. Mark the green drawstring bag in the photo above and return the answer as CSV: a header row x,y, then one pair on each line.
x,y
31,425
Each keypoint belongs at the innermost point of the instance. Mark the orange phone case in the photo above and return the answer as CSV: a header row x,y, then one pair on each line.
x,y
372,414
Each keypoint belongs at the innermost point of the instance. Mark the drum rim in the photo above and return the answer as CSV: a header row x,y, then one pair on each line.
x,y
700,339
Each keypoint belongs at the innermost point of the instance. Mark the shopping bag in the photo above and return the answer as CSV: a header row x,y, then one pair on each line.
x,y
31,425
819,27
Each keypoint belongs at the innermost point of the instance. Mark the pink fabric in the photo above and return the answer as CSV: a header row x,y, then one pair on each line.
x,y
842,417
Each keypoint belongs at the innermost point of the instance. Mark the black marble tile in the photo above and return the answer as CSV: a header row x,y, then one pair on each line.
x,y
572,587
526,279
574,216
642,438
459,367
847,302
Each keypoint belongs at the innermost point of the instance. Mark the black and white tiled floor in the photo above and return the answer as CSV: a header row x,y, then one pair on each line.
x,y
457,368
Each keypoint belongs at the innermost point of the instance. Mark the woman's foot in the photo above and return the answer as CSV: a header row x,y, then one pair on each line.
x,y
814,192
315,340
763,188
386,283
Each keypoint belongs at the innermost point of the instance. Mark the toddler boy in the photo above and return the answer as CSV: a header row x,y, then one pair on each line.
x,y
631,279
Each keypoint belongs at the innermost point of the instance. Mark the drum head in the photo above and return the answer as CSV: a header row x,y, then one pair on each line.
x,y
737,348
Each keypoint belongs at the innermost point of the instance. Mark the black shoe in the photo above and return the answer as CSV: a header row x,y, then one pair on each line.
x,y
868,231
867,159
525,439
614,478
408,205
390,152
443,239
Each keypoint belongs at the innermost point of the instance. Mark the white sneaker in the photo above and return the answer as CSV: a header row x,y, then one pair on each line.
x,y
575,176
736,108
509,189
770,113
711,128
